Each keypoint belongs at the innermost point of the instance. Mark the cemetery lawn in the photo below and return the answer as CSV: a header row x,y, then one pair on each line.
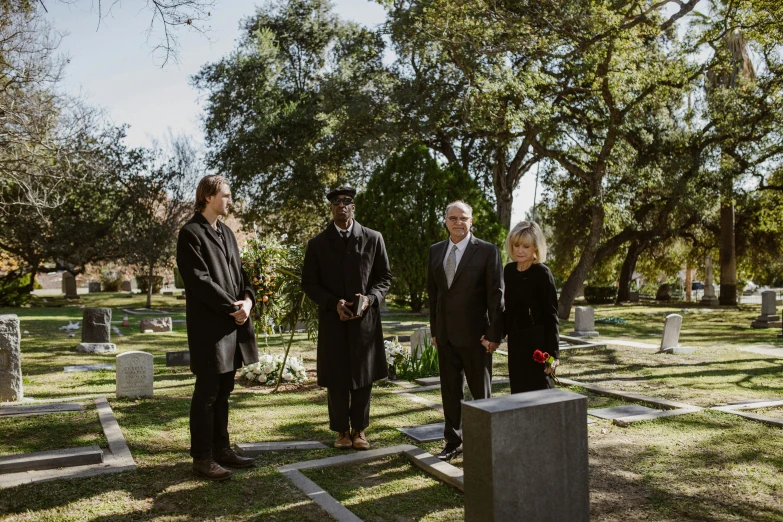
x,y
703,466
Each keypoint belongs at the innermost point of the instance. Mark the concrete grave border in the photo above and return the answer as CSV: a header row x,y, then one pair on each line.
x,y
443,471
116,459
252,449
669,408
737,409
430,387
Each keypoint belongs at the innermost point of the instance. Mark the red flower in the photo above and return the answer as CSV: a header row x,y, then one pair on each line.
x,y
540,357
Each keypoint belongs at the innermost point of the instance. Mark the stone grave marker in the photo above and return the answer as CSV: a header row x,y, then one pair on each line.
x,y
633,296
768,317
93,287
156,324
134,374
96,331
709,298
670,343
509,476
584,322
10,359
69,286
418,339
125,286
178,358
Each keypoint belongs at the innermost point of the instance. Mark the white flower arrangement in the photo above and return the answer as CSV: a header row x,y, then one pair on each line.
x,y
266,370
394,352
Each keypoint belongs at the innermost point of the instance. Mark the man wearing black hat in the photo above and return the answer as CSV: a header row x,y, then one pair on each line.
x,y
346,272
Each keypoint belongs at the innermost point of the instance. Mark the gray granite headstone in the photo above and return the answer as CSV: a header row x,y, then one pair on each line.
x,y
618,412
178,358
584,322
510,473
156,324
425,432
10,359
633,296
671,332
135,374
96,325
125,286
93,287
69,286
768,317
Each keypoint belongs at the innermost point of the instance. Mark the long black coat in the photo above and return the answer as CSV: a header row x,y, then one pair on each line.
x,y
473,306
350,353
212,283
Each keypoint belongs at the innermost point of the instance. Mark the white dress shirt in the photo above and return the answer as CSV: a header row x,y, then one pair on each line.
x,y
461,246
341,230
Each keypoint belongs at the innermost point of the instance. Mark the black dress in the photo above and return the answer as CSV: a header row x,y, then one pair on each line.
x,y
531,323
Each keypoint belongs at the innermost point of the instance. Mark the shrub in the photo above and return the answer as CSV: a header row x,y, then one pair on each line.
x,y
141,282
178,282
410,368
111,279
600,294
13,290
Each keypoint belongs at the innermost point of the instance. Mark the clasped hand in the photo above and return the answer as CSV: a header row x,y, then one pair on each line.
x,y
344,309
489,345
241,315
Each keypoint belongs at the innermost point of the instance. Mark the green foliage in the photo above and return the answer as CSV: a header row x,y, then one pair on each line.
x,y
111,279
405,200
297,108
14,290
178,282
275,272
425,365
142,282
600,294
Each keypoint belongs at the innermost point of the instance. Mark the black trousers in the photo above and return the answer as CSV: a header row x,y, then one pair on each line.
x,y
459,364
349,408
209,414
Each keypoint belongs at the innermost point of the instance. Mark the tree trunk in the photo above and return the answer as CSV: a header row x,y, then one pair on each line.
x,y
626,272
728,256
688,281
416,300
505,200
31,285
149,286
579,274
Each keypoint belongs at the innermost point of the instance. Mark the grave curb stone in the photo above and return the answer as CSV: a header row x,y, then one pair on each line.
x,y
43,460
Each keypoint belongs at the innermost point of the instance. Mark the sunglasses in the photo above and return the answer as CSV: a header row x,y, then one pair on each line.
x,y
344,201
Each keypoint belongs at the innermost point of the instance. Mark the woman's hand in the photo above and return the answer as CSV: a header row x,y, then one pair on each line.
x,y
550,368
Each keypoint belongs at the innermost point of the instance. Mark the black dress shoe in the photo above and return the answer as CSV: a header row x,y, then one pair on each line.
x,y
210,470
227,457
449,452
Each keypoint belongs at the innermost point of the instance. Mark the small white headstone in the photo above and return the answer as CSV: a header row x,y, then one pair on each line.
x,y
418,339
671,332
768,317
584,322
134,374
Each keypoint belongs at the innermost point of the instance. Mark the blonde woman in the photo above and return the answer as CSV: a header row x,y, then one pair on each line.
x,y
531,320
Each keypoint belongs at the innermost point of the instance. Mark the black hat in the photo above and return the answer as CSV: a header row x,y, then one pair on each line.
x,y
341,191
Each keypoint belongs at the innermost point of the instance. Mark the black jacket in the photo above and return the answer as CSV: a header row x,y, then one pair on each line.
x,y
212,282
350,353
473,306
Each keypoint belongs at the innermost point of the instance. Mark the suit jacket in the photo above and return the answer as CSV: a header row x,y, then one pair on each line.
x,y
473,306
351,354
212,282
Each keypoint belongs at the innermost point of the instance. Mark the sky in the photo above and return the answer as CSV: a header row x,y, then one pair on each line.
x,y
111,65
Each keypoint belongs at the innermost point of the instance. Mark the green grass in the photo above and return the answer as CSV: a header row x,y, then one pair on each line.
x,y
703,466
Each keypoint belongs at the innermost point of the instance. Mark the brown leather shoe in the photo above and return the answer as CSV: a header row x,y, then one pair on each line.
x,y
210,470
226,457
359,440
343,440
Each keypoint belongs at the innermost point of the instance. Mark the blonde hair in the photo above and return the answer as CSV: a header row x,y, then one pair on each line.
x,y
207,187
527,230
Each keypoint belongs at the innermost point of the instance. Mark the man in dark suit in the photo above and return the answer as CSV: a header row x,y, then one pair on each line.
x,y
346,272
220,331
465,285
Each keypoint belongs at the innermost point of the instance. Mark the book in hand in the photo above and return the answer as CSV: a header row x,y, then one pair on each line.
x,y
357,308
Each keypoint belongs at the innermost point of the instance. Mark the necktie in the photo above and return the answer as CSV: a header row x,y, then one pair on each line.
x,y
344,234
451,265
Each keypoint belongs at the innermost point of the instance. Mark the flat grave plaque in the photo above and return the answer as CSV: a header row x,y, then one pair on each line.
x,y
88,368
618,412
425,432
